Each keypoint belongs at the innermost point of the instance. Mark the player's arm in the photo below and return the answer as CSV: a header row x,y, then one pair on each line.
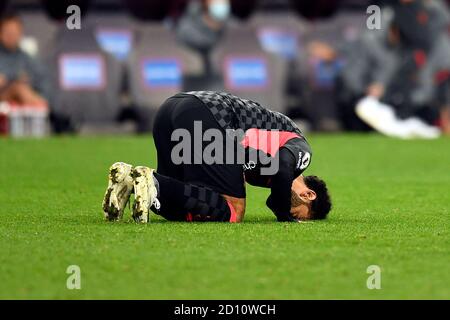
x,y
279,200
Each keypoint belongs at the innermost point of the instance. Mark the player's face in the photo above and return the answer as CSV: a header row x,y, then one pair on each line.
x,y
302,198
301,212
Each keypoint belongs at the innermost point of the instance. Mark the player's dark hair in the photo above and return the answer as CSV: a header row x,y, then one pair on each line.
x,y
322,204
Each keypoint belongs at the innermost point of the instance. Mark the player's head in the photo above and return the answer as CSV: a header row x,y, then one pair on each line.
x,y
10,31
310,198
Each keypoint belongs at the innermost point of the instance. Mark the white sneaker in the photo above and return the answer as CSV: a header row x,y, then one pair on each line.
x,y
422,130
145,193
117,195
382,118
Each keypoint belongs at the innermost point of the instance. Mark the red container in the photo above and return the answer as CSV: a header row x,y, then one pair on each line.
x,y
4,119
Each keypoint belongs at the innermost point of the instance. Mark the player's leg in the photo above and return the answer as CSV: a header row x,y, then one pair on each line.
x,y
22,93
223,172
219,170
195,193
162,133
176,200
144,187
179,201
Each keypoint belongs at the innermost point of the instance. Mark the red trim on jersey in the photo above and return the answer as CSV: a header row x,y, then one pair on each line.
x,y
267,141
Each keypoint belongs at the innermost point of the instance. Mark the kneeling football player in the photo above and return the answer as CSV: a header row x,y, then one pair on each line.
x,y
209,145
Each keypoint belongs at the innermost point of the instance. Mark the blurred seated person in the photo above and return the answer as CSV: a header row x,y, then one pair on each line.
x,y
21,80
202,26
369,66
423,26
398,64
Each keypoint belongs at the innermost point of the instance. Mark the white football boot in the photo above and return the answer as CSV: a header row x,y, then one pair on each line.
x,y
145,193
117,195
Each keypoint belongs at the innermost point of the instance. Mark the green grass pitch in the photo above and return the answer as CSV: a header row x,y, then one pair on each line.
x,y
391,209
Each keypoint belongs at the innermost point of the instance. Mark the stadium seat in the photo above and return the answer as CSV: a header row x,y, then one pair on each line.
x,y
157,65
86,79
115,33
280,34
283,34
249,71
341,29
40,29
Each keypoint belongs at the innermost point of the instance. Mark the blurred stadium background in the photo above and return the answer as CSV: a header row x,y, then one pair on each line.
x,y
309,59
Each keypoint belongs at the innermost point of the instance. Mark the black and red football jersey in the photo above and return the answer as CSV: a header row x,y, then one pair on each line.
x,y
268,134
259,124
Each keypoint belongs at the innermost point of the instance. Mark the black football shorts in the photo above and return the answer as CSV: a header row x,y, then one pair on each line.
x,y
181,112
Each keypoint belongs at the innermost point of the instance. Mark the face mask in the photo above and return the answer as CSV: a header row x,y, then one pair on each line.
x,y
219,10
